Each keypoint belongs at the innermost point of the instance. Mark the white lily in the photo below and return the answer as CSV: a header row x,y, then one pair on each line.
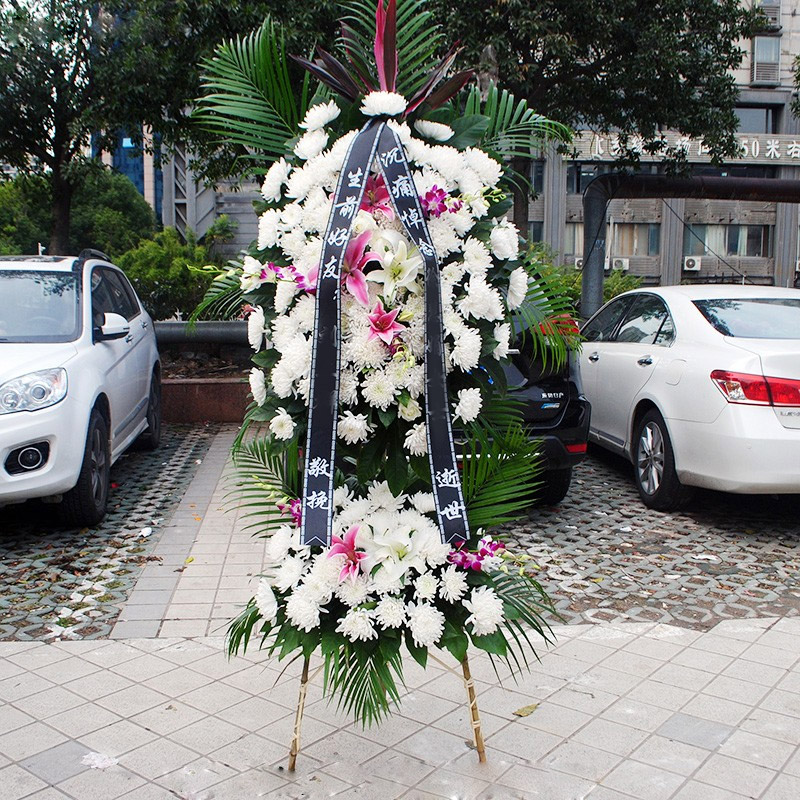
x,y
400,266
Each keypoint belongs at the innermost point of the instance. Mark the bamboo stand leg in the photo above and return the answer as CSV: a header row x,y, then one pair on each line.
x,y
294,747
473,709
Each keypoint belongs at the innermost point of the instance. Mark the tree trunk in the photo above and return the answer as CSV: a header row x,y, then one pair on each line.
x,y
61,210
521,195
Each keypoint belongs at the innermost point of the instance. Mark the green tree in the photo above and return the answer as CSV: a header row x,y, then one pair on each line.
x,y
108,213
73,68
623,65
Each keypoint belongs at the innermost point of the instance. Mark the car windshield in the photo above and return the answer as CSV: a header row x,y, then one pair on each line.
x,y
753,318
37,306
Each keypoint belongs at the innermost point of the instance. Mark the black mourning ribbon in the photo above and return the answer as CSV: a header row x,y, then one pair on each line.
x,y
375,139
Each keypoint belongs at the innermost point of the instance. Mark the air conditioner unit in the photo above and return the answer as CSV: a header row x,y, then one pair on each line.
x,y
764,73
691,263
620,263
578,263
772,11
797,266
607,264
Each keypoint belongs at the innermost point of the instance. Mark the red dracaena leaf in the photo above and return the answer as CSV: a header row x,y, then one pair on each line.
x,y
339,71
325,77
390,46
380,25
350,43
433,78
450,88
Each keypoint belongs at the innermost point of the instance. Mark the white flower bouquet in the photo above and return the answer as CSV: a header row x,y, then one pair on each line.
x,y
386,578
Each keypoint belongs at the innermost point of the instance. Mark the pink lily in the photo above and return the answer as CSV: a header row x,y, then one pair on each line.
x,y
347,547
355,259
383,324
376,198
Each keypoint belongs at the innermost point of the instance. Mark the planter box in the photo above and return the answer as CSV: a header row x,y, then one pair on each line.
x,y
204,399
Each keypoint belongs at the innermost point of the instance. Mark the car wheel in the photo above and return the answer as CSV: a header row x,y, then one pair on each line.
x,y
553,487
151,438
654,466
85,504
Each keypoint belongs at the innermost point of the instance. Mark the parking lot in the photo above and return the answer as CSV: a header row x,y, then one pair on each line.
x,y
603,555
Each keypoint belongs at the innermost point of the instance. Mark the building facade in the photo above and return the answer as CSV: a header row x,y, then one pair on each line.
x,y
672,241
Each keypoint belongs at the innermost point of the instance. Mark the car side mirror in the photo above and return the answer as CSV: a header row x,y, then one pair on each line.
x,y
115,326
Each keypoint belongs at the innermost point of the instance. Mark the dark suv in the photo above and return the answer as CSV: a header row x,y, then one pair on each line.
x,y
556,412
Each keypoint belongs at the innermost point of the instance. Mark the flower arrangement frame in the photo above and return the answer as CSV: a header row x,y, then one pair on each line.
x,y
384,296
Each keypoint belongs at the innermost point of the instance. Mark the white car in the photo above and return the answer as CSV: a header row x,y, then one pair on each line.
x,y
698,386
79,380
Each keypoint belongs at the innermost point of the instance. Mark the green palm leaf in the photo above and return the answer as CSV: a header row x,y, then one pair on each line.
x,y
224,298
248,98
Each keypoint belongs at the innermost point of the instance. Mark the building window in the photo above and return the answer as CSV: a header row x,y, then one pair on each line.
x,y
765,63
737,171
754,241
579,175
537,177
536,231
636,239
573,239
757,119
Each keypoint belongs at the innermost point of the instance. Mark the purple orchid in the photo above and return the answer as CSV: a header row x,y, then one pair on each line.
x,y
383,324
295,508
434,203
466,559
347,547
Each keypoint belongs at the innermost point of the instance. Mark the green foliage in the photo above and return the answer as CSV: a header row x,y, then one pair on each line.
x,y
160,270
222,230
108,213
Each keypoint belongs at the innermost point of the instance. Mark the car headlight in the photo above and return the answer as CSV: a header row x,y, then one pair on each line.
x,y
33,391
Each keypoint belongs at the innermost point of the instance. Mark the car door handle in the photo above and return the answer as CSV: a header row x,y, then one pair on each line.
x,y
645,361
129,338
594,357
144,324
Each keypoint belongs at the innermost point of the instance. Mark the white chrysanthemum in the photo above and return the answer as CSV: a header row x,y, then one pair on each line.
x,y
479,207
340,147
320,115
342,495
258,385
425,587
379,389
503,335
426,624
390,612
481,301
517,288
256,328
348,387
409,411
288,574
418,151
311,144
381,496
469,404
302,180
268,228
274,179
415,380
363,352
282,425
453,584
416,441
401,129
489,170
448,162
462,220
282,379
443,235
453,272
467,350
386,582
266,603
476,257
469,182
504,240
376,104
434,130
353,428
284,294
486,608
357,625
423,502
278,544
303,314
302,609
353,592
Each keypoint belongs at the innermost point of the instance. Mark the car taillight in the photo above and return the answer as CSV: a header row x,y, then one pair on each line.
x,y
738,387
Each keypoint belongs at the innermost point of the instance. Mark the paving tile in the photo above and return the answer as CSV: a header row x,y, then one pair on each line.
x,y
553,718
206,735
695,731
589,700
48,702
18,782
22,685
694,790
459,722
101,784
784,787
604,793
112,654
717,709
581,760
777,700
734,775
659,649
668,754
637,714
136,628
445,783
633,664
758,750
433,746
761,674
613,681
12,719
541,784
116,739
790,682
522,742
252,751
29,740
611,736
743,630
631,776
67,669
58,763
213,697
37,657
772,656
258,783
660,694
793,766
399,768
782,641
684,677
83,719
702,660
48,794
144,667
98,684
157,758
132,700
773,725
723,645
